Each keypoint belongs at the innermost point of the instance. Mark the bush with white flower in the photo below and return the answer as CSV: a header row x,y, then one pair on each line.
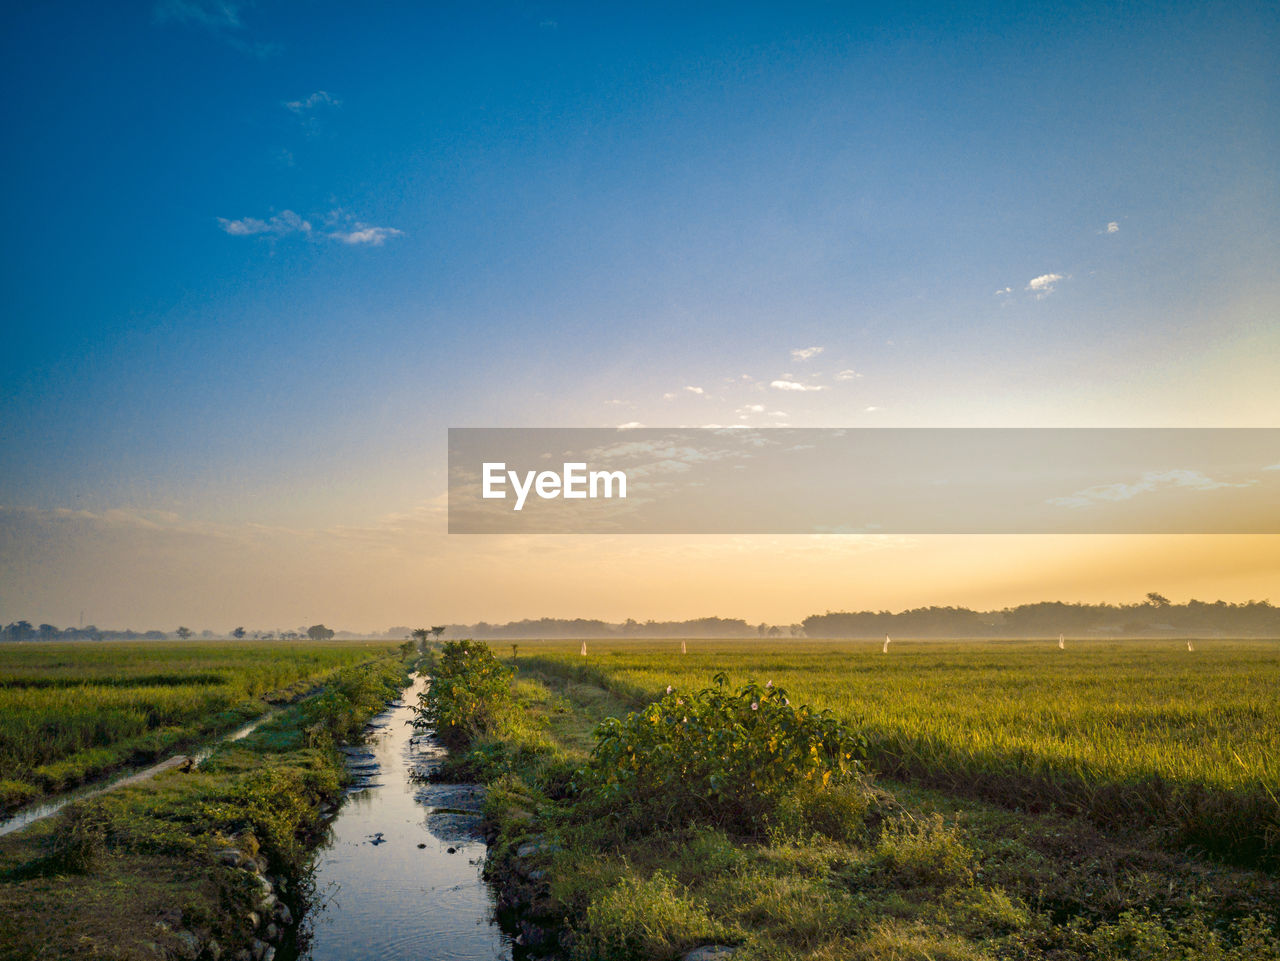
x,y
720,756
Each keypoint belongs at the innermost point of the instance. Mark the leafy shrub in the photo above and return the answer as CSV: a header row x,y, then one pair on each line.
x,y
338,711
718,756
469,693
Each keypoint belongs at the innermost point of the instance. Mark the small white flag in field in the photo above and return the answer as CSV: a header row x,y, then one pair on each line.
x,y
584,648
684,648
886,645
1190,646
1062,643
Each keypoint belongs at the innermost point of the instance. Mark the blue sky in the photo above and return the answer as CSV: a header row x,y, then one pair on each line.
x,y
261,255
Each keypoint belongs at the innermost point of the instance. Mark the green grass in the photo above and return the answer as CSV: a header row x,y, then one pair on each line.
x,y
921,875
72,711
1139,733
117,876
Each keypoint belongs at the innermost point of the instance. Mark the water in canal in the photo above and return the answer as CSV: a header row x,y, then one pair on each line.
x,y
398,876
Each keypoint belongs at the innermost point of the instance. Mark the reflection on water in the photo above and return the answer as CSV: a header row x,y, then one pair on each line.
x,y
386,885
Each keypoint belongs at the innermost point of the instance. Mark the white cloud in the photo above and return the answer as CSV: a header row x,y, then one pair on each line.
x,y
630,425
778,413
1004,291
285,222
1113,228
848,375
1150,481
696,390
804,353
872,409
1044,285
751,409
1272,467
318,99
364,234
794,385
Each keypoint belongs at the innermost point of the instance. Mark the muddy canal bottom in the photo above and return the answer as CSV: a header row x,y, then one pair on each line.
x,y
399,874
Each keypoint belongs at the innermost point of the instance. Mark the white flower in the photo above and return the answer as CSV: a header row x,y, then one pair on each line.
x,y
755,705
668,688
768,683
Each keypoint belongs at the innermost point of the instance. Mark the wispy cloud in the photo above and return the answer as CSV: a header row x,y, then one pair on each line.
x,y
805,353
1044,285
218,17
1113,228
1004,291
696,390
750,409
872,409
365,234
285,222
318,99
205,13
1148,482
794,385
849,374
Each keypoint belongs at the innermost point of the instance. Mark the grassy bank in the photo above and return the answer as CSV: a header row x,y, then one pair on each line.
x,y
859,869
190,864
71,712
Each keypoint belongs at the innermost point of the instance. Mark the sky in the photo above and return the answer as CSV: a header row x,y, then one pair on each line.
x,y
262,255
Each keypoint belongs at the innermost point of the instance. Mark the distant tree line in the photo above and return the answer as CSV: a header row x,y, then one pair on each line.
x,y
25,631
583,627
1155,615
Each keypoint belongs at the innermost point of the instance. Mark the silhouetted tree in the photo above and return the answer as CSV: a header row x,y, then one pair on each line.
x,y
183,633
318,632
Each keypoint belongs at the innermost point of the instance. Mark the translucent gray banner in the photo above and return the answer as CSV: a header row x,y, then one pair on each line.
x,y
864,481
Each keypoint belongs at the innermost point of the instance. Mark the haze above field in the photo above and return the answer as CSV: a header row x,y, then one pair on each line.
x,y
261,256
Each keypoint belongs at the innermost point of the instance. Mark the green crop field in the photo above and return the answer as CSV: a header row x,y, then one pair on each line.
x,y
71,711
1131,733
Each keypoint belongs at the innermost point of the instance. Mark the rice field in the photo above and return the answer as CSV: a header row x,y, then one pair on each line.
x,y
71,711
1142,734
